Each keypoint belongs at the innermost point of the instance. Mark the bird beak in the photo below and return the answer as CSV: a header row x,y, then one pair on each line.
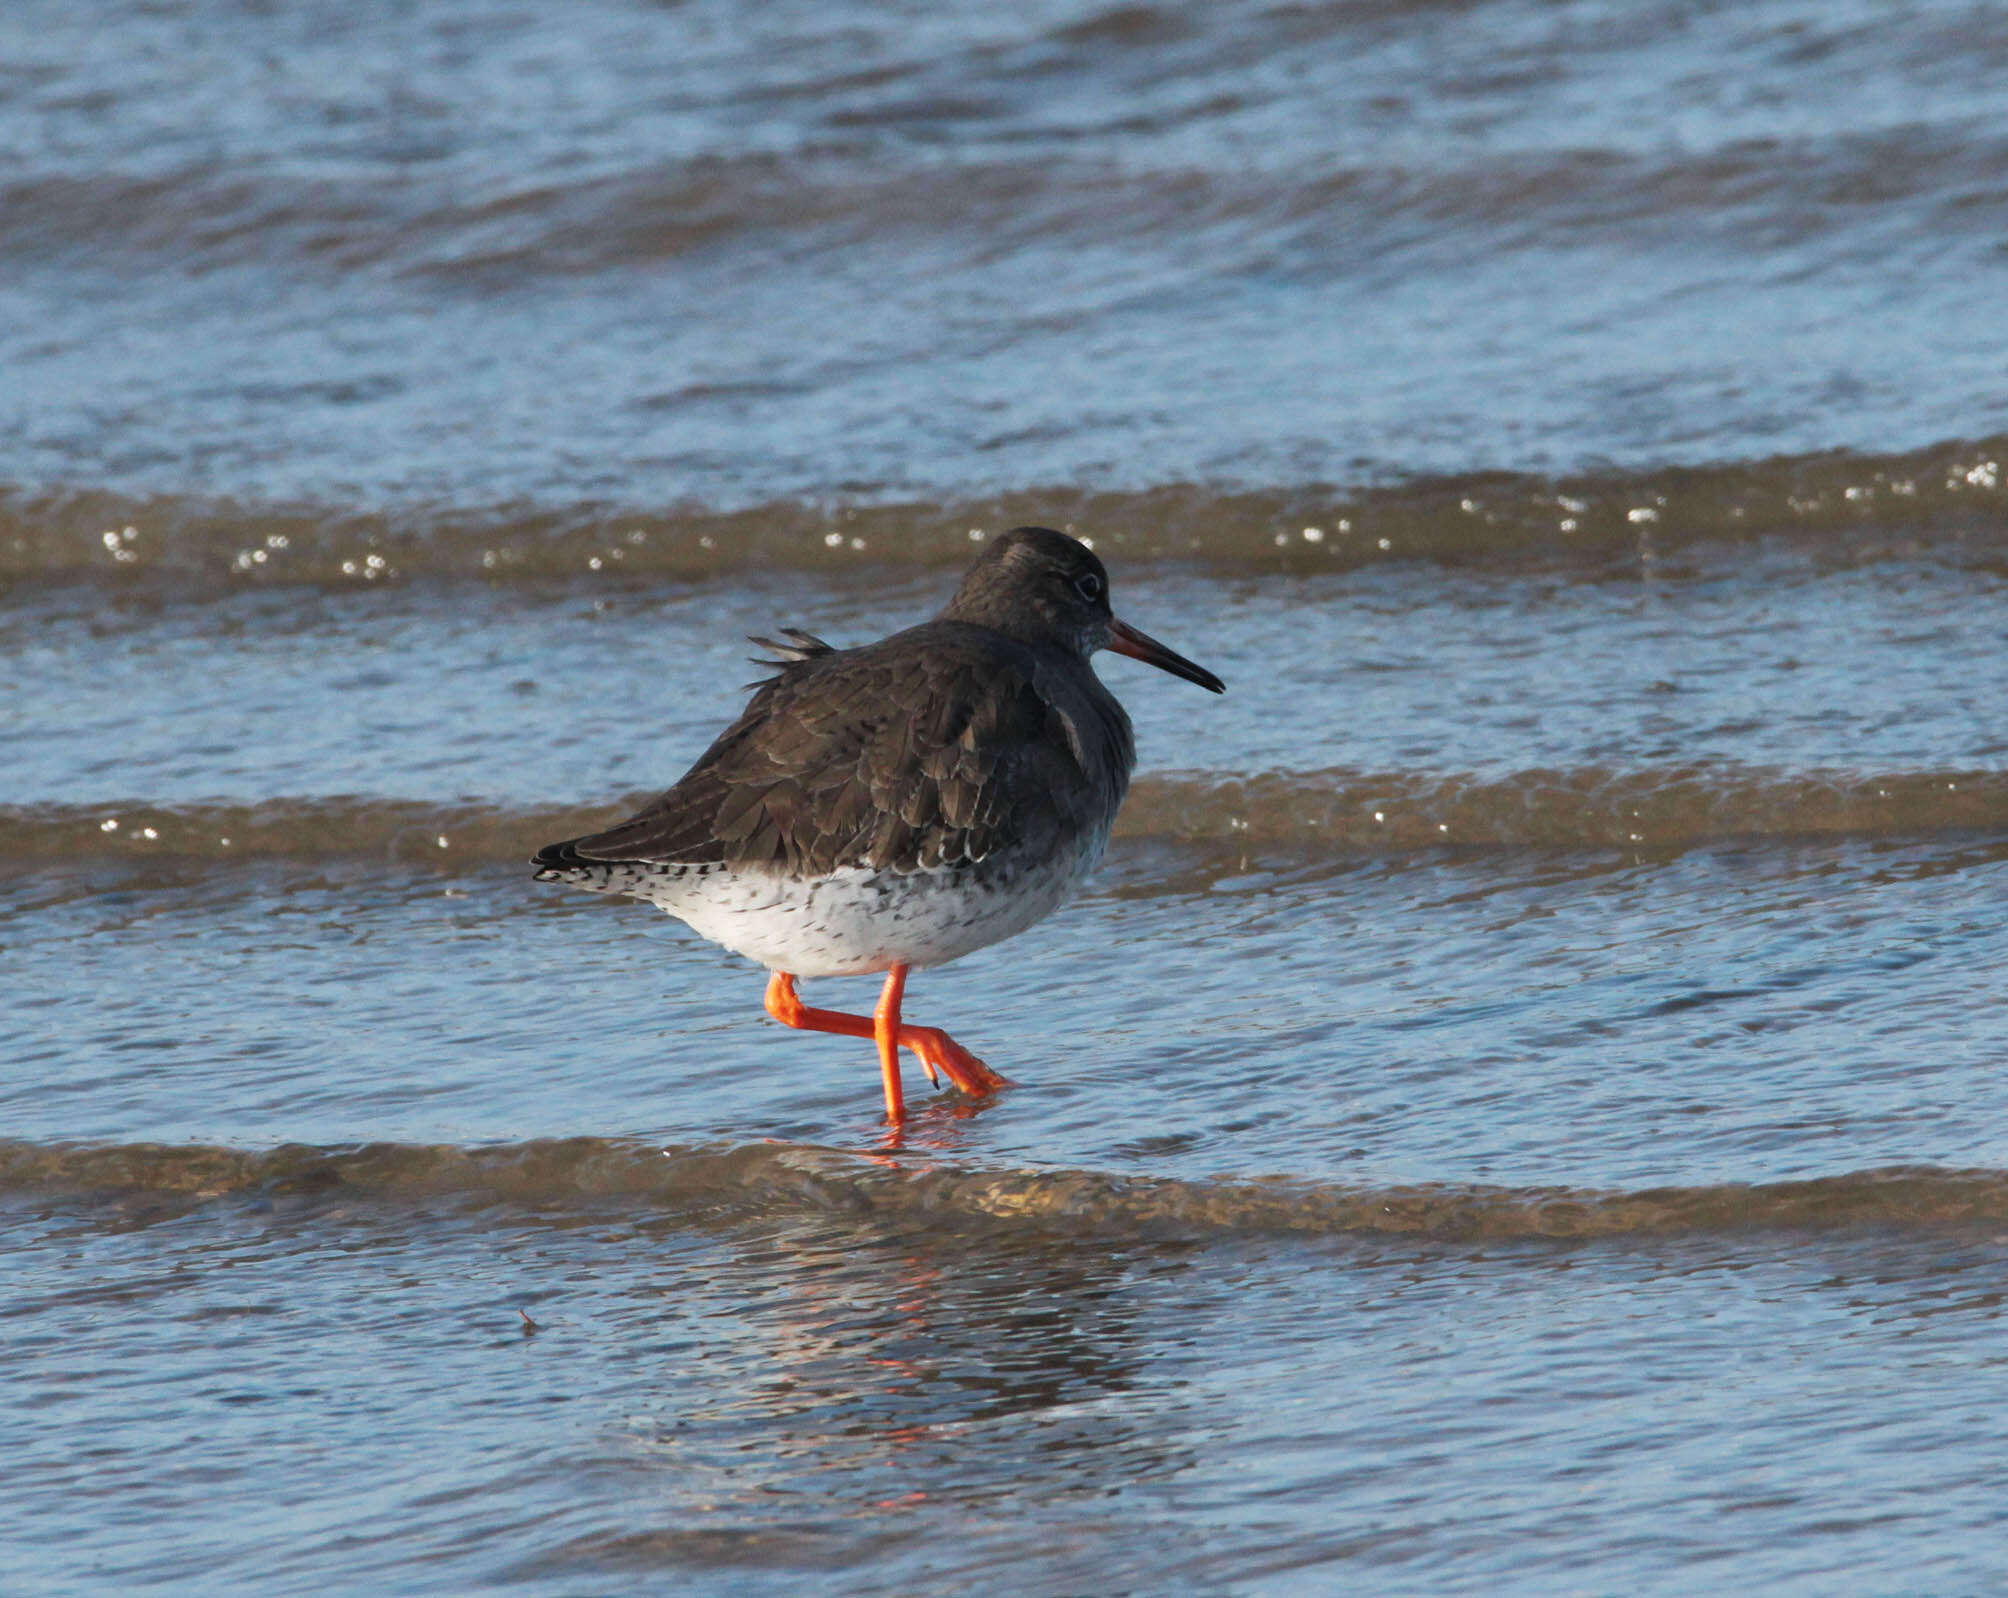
x,y
1126,640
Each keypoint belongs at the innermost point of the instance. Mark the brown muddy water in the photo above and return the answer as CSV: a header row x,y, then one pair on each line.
x,y
1521,1109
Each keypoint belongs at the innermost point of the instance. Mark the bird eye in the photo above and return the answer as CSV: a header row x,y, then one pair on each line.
x,y
1088,586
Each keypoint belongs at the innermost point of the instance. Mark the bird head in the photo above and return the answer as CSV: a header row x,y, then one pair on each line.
x,y
1040,586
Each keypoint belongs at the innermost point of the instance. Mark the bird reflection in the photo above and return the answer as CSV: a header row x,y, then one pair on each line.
x,y
897,1369
938,1127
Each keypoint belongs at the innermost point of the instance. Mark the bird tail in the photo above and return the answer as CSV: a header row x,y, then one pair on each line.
x,y
799,646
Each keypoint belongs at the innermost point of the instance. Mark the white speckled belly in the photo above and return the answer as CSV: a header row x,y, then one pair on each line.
x,y
857,920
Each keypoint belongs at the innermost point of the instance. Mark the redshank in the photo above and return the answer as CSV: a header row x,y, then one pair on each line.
x,y
901,804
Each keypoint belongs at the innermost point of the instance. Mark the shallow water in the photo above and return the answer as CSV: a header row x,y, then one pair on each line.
x,y
1521,1099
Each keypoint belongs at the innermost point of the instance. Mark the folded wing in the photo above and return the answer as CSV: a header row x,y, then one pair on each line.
x,y
896,759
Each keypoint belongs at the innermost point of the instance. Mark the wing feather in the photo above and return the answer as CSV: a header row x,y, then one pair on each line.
x,y
898,756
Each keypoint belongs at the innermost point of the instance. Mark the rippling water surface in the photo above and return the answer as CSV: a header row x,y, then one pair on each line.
x,y
1520,1108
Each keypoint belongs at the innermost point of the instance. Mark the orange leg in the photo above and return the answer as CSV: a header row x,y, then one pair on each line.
x,y
786,1006
937,1050
885,1028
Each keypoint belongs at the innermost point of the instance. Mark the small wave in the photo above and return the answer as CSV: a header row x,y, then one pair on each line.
x,y
835,187
1950,498
1206,813
1586,807
405,830
780,1178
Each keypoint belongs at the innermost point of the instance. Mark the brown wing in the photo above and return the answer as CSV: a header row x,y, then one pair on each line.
x,y
916,752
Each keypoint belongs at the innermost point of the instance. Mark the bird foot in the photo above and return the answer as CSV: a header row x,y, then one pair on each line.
x,y
939,1052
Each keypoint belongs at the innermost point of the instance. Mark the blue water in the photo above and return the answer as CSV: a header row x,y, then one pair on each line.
x,y
1517,1112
